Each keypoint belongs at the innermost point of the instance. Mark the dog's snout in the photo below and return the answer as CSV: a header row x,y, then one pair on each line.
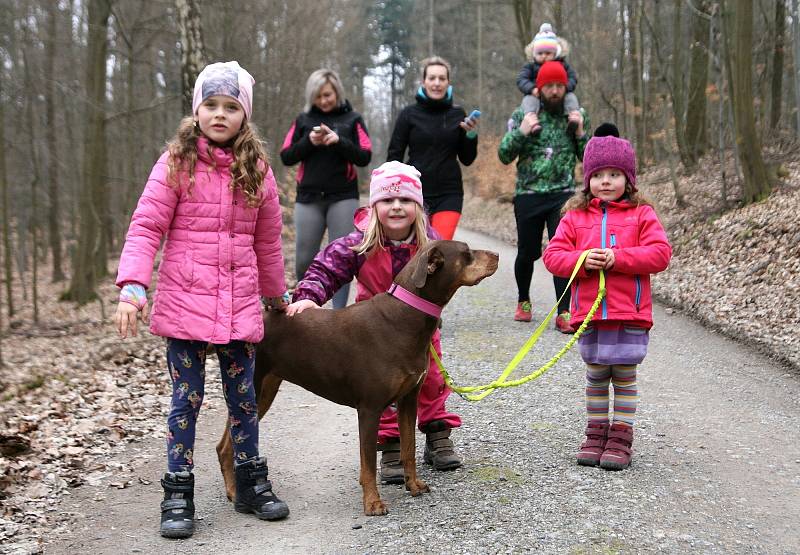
x,y
484,264
490,258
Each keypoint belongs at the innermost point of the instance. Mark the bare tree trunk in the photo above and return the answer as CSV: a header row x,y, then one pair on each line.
x,y
7,261
2,362
623,54
777,63
32,151
558,17
72,133
133,188
717,55
85,273
393,86
678,84
644,85
695,135
53,173
523,9
756,184
193,52
431,22
479,53
796,44
638,85
672,162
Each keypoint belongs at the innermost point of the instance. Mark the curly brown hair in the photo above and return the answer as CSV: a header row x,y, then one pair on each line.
x,y
581,200
249,167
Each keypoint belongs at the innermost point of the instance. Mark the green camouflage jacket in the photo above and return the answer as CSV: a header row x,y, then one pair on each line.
x,y
545,164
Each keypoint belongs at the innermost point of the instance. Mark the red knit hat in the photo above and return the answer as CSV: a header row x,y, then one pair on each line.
x,y
551,72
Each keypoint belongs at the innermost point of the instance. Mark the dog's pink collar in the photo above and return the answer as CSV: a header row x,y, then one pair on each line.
x,y
413,300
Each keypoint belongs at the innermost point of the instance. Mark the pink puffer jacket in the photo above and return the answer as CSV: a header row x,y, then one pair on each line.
x,y
218,256
640,248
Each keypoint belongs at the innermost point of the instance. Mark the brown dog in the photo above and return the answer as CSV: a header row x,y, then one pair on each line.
x,y
365,356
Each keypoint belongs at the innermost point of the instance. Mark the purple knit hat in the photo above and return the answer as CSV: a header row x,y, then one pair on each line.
x,y
606,150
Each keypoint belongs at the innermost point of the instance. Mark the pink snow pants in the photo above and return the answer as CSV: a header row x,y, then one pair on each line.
x,y
430,403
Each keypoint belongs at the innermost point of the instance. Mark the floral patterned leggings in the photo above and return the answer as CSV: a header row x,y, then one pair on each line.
x,y
187,361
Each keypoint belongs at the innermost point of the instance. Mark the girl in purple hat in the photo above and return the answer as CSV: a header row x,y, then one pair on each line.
x,y
625,239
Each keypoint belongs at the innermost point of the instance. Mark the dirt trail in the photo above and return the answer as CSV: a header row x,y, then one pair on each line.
x,y
717,464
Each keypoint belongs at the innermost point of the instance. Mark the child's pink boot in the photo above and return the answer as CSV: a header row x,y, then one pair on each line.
x,y
618,452
594,444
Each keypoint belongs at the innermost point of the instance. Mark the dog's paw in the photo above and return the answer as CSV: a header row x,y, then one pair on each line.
x,y
375,508
417,487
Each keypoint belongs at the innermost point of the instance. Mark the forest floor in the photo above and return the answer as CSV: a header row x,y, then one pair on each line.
x,y
78,407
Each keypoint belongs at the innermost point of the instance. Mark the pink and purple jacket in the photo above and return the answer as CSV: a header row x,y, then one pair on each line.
x,y
338,264
640,248
219,253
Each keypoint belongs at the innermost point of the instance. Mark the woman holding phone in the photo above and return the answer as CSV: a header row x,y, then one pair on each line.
x,y
328,139
437,134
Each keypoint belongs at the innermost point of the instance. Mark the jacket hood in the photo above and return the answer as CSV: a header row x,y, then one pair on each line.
x,y
361,218
563,50
423,100
218,156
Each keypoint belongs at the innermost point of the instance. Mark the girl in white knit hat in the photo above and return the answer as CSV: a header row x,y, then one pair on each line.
x,y
546,46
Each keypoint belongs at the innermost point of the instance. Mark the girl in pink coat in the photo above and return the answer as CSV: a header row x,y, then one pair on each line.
x,y
213,196
387,236
625,239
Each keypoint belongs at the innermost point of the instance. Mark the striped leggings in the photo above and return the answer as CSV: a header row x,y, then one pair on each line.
x,y
626,393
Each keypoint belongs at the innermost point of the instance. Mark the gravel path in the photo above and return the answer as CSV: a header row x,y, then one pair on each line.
x,y
716,469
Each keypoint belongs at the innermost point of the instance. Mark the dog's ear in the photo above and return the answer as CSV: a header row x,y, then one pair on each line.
x,y
428,263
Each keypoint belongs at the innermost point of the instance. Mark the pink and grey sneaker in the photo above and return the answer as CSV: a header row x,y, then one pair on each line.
x,y
594,444
618,452
523,312
562,322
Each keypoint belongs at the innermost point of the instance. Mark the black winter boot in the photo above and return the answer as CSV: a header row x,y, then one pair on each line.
x,y
177,509
254,492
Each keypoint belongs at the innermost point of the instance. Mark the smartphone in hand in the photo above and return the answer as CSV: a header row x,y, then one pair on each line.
x,y
472,117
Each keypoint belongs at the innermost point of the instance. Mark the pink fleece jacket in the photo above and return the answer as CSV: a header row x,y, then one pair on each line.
x,y
640,248
219,253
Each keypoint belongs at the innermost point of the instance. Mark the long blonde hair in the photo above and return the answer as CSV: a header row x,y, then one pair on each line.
x,y
373,236
249,167
581,200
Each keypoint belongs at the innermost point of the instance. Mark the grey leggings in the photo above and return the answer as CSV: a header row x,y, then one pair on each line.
x,y
531,103
310,220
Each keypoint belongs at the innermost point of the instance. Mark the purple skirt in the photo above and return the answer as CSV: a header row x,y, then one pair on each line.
x,y
622,345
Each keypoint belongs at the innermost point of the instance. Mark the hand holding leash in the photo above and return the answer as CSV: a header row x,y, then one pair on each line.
x,y
599,259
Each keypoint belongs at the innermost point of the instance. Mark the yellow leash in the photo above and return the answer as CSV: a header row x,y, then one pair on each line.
x,y
501,382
